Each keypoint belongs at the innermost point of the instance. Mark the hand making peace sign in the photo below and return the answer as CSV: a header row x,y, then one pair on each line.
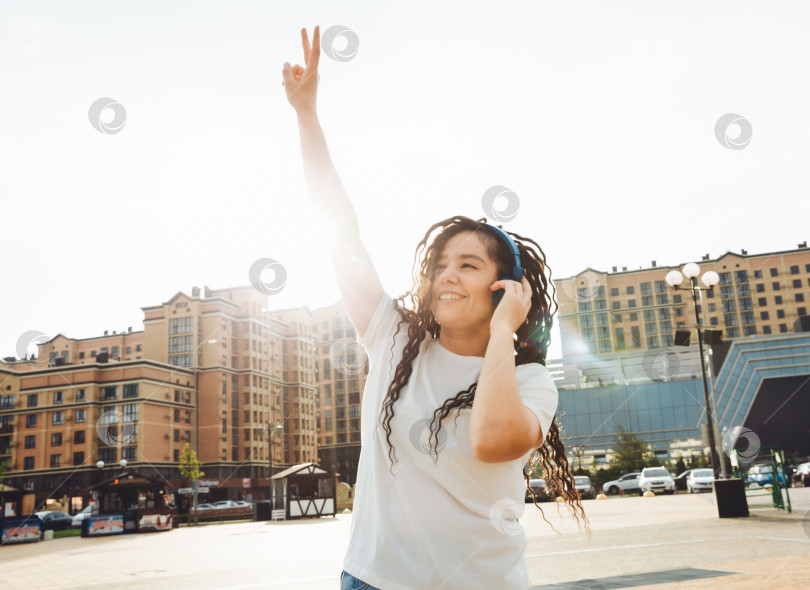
x,y
301,83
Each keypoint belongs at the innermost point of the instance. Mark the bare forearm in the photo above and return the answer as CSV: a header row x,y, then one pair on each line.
x,y
325,189
498,410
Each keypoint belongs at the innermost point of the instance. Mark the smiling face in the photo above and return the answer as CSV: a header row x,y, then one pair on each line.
x,y
461,297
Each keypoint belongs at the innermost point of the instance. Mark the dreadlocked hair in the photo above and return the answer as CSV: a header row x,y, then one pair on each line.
x,y
531,346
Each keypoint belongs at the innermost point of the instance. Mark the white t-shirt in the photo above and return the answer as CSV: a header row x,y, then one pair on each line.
x,y
443,524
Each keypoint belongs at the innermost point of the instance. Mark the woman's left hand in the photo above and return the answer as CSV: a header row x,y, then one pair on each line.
x,y
513,309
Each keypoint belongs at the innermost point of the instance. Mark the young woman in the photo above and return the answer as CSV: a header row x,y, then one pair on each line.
x,y
456,398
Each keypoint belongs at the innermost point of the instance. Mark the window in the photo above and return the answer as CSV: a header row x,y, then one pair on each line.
x,y
109,392
663,313
177,455
747,317
740,276
726,292
783,328
676,299
636,336
799,297
757,274
797,283
30,420
129,453
733,332
184,360
181,344
78,458
176,415
108,454
794,270
180,326
651,328
652,341
620,339
32,400
130,390
802,311
646,288
81,416
631,303
56,439
58,397
631,289
713,321
778,300
130,413
780,313
599,304
30,441
649,315
56,460
128,350
712,307
617,318
662,299
679,312
81,395
78,437
730,319
760,288
764,315
634,317
614,292
775,286
774,272
28,463
57,418
616,305
646,300
766,329
585,306
749,330
762,301
725,278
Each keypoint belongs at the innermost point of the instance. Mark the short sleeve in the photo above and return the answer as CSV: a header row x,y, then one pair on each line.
x,y
381,327
538,392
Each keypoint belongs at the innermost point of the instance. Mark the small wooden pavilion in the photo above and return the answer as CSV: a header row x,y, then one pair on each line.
x,y
303,491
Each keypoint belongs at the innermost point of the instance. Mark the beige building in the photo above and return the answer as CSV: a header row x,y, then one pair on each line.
x,y
605,313
212,369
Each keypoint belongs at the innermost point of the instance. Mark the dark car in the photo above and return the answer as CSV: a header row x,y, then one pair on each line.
x,y
538,486
55,520
680,480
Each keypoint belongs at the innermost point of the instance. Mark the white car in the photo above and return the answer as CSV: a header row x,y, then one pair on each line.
x,y
627,482
226,504
79,517
699,480
656,479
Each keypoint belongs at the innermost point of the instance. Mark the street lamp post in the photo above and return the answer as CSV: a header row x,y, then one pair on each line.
x,y
270,433
709,279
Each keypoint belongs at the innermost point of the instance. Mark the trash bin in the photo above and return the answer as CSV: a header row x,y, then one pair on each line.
x,y
263,510
731,500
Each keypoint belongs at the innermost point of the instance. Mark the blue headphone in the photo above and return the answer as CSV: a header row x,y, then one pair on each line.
x,y
517,269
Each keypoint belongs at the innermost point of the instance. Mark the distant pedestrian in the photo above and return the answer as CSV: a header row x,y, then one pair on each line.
x,y
457,395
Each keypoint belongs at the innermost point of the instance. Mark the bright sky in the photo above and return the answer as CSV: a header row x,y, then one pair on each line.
x,y
599,116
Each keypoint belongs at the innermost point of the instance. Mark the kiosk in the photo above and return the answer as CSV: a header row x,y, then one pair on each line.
x,y
18,524
130,503
304,490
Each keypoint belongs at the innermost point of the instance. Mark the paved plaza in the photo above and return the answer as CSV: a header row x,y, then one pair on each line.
x,y
663,543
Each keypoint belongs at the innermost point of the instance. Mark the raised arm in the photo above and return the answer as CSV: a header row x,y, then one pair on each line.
x,y
359,284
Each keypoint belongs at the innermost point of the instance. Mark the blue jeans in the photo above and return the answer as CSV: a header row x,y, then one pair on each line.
x,y
349,582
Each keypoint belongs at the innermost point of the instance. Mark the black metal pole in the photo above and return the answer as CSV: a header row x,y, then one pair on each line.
x,y
709,420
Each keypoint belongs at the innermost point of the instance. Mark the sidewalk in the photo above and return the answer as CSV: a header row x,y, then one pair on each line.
x,y
631,537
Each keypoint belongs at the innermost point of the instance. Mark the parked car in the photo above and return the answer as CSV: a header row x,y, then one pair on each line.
x,y
680,480
79,517
627,482
801,476
763,474
205,506
55,520
243,504
585,487
538,486
700,480
225,504
656,480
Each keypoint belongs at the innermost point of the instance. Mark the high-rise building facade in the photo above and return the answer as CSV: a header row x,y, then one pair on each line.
x,y
610,312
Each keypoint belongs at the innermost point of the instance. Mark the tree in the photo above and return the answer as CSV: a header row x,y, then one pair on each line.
x,y
190,469
630,452
3,467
